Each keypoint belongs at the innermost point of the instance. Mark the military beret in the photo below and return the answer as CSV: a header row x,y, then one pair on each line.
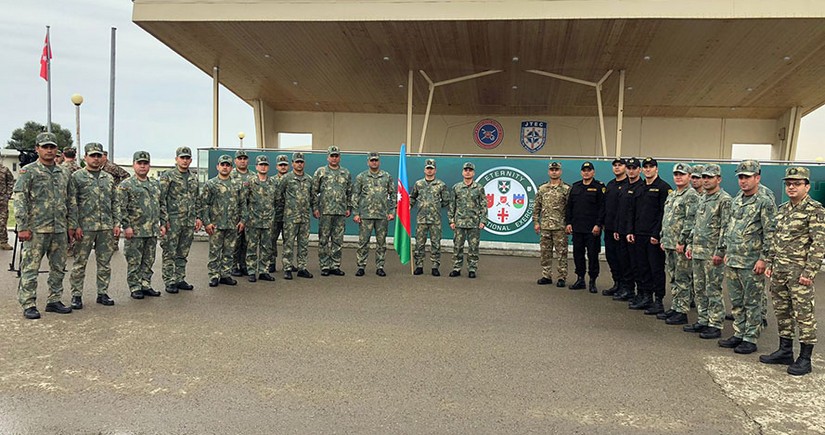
x,y
140,156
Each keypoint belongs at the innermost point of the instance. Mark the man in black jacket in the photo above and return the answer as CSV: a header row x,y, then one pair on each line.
x,y
585,219
623,226
612,248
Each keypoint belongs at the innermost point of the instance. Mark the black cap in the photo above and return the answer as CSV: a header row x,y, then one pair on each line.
x,y
650,161
587,165
633,162
619,160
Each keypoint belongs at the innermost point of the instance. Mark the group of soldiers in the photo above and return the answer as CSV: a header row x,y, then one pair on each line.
x,y
698,235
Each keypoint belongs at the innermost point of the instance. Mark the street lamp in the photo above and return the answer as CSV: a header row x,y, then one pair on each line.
x,y
241,135
77,100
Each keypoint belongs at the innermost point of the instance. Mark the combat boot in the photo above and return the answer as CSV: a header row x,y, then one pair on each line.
x,y
664,315
303,273
266,277
31,313
360,272
417,271
802,365
710,333
655,308
435,272
77,303
561,283
544,281
592,287
612,290
380,272
677,319
745,348
579,284
236,271
783,355
695,327
59,308
730,342
643,302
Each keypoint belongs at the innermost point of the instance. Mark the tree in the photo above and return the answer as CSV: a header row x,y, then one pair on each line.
x,y
24,138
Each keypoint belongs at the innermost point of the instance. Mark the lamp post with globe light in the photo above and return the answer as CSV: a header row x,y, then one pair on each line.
x,y
241,135
77,100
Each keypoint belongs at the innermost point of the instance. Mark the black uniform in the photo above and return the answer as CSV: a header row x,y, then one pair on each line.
x,y
649,207
585,209
613,250
624,226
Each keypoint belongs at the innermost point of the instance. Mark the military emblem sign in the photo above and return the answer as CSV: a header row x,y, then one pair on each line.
x,y
510,193
488,134
533,135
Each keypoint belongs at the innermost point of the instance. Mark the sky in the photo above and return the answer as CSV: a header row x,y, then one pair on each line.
x,y
161,101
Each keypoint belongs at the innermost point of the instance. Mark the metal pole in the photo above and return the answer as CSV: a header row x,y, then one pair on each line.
x,y
601,118
620,115
215,89
409,105
77,123
112,99
48,82
426,118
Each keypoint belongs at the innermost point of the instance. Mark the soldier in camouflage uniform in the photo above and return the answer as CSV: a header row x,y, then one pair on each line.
x,y
746,243
179,213
278,225
224,214
332,185
244,175
261,215
431,195
119,174
703,250
677,221
373,200
548,221
467,213
794,259
46,216
296,200
696,184
70,160
6,189
139,203
97,213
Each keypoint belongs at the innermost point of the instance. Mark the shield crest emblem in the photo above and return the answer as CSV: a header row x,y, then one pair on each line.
x,y
533,135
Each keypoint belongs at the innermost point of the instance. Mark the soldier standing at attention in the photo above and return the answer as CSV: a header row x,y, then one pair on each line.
x,y
467,213
6,189
138,199
548,221
295,197
70,160
613,250
680,210
585,218
97,213
794,259
431,195
244,176
223,203
118,173
712,214
179,194
278,225
261,211
46,218
624,225
373,199
332,185
696,178
746,243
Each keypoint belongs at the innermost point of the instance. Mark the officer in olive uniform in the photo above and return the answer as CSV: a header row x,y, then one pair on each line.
x,y
282,165
6,190
97,214
794,259
467,213
585,219
295,196
431,195
46,217
548,221
224,215
180,214
241,173
139,201
332,184
612,248
261,212
373,201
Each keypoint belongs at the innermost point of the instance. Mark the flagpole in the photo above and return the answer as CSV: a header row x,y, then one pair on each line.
x,y
112,99
48,82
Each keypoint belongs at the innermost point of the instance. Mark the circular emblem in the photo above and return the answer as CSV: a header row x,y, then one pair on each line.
x,y
510,194
488,134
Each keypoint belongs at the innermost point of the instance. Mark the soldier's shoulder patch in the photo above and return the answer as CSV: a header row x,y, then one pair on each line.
x,y
604,189
669,191
22,171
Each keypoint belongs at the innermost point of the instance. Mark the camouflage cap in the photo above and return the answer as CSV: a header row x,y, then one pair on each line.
x,y
373,156
587,166
59,153
748,167
46,138
712,170
469,165
429,163
262,160
696,171
282,159
650,161
797,173
93,148
224,159
681,168
297,157
333,151
140,156
241,153
554,165
633,162
183,152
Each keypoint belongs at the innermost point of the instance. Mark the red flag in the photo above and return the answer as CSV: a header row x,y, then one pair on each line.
x,y
45,58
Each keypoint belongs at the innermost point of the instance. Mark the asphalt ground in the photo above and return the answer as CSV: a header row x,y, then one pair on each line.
x,y
400,354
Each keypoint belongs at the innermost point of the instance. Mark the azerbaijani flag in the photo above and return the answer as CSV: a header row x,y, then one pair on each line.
x,y
402,210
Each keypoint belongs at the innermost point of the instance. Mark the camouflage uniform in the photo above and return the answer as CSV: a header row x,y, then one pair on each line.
x,y
278,224
746,239
139,203
119,174
97,214
240,247
258,226
43,205
72,166
294,197
431,197
179,195
549,213
333,188
712,214
224,205
680,209
373,199
467,211
6,189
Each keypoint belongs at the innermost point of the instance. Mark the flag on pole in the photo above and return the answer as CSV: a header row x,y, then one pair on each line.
x,y
402,210
45,58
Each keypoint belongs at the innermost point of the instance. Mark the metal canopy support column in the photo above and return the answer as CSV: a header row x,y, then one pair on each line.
x,y
620,115
409,106
793,133
432,87
215,89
